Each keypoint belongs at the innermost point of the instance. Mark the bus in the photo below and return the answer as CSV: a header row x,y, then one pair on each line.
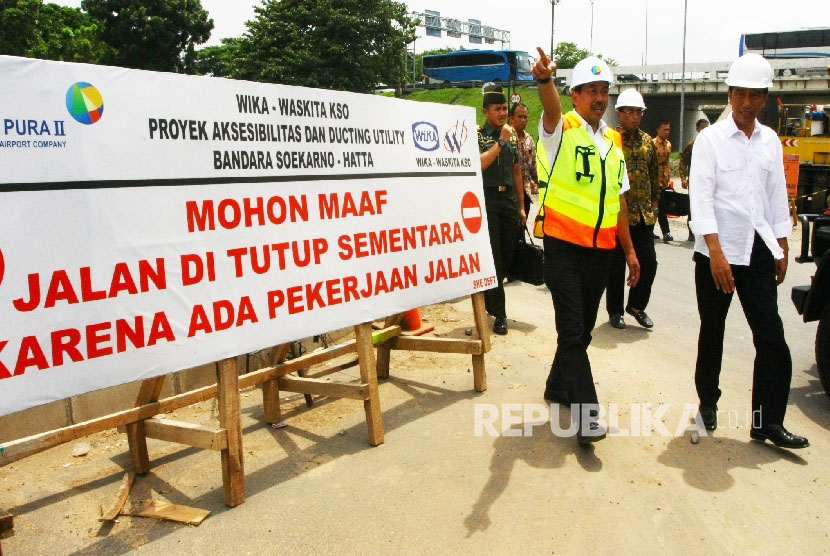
x,y
804,43
478,65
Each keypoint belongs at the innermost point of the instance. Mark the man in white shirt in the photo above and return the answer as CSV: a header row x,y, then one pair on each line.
x,y
741,225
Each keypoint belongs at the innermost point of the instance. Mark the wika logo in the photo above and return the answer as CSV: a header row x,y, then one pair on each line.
x,y
425,136
455,137
84,103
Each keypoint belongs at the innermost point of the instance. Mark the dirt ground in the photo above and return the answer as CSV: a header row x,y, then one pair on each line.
x,y
436,485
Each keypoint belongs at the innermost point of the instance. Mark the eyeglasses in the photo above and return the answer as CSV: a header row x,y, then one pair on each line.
x,y
632,111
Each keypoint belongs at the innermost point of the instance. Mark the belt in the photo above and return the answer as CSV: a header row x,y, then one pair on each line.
x,y
499,188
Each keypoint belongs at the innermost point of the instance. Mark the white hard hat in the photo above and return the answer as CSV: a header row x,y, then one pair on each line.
x,y
630,97
750,71
589,70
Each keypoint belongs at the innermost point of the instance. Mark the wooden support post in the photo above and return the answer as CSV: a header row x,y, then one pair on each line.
x,y
230,419
198,436
271,389
385,349
136,437
480,317
368,374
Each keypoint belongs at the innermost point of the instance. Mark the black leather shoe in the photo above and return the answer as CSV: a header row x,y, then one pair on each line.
x,y
709,415
779,436
594,433
554,395
500,326
667,238
616,320
641,318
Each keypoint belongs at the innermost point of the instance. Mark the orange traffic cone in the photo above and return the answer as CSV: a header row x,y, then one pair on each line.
x,y
413,325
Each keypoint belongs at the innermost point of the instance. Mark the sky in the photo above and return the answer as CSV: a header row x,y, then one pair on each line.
x,y
713,27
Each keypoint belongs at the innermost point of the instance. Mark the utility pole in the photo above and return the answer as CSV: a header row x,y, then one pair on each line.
x,y
591,48
553,4
645,60
683,79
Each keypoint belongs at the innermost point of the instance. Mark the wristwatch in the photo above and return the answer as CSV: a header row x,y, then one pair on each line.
x,y
502,142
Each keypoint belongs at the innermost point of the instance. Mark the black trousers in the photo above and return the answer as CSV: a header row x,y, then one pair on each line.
x,y
757,292
662,219
503,225
638,296
576,277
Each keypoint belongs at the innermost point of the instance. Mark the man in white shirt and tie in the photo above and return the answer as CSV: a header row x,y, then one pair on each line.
x,y
740,219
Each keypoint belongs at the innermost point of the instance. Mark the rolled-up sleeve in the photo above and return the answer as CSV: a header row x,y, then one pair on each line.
x,y
777,190
551,141
702,179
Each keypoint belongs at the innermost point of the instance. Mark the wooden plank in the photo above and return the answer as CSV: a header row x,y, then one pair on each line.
x,y
309,402
439,345
271,390
269,373
483,332
271,401
6,525
480,318
230,419
479,375
23,447
323,388
384,348
120,498
368,374
198,436
149,392
19,449
384,334
174,512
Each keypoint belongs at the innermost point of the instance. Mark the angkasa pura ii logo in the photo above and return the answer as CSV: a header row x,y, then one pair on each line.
x,y
84,103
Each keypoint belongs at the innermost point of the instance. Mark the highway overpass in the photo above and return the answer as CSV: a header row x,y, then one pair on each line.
x,y
797,81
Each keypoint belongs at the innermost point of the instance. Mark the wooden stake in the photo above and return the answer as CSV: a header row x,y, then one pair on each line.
x,y
368,374
120,498
483,331
384,349
136,437
230,419
271,389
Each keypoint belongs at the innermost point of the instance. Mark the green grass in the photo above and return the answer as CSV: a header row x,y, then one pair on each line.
x,y
472,97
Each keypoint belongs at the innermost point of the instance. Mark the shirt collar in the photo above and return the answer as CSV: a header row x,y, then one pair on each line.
x,y
732,128
600,128
630,134
488,129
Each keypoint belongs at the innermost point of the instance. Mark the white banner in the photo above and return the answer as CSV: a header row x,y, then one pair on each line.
x,y
152,222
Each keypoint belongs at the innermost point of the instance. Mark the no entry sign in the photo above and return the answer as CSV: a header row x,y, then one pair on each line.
x,y
471,212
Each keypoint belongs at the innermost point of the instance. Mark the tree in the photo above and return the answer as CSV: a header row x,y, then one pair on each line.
x,y
48,31
18,24
334,44
67,34
218,61
568,54
156,35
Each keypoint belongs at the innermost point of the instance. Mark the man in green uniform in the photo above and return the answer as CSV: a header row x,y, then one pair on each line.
x,y
641,199
503,194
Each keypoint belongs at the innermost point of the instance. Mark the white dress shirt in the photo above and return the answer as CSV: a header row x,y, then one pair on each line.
x,y
737,188
551,141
